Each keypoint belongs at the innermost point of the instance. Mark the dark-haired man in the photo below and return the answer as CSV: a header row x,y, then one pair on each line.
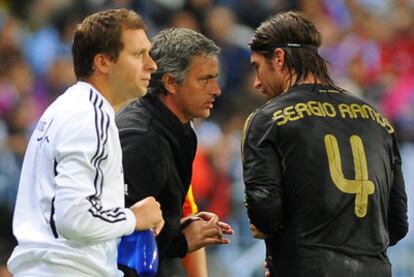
x,y
322,169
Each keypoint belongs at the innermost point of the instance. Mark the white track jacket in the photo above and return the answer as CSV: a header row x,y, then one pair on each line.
x,y
70,205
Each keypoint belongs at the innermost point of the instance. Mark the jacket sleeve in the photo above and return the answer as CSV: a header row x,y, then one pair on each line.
x,y
398,220
262,171
79,215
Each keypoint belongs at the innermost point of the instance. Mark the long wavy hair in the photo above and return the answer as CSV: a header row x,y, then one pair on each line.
x,y
298,37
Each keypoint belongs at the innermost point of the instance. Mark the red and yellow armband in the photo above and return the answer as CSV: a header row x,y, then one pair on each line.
x,y
190,207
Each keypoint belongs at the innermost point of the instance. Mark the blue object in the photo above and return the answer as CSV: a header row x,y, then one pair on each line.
x,y
139,251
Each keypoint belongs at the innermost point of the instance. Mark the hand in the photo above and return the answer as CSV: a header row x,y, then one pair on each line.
x,y
200,233
206,216
213,218
148,215
258,234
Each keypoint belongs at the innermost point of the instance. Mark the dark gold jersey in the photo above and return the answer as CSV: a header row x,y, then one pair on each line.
x,y
322,175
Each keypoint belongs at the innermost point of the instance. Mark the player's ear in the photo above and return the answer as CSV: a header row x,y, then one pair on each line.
x,y
278,58
101,63
170,84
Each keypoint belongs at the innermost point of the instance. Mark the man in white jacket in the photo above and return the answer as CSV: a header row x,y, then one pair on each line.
x,y
70,205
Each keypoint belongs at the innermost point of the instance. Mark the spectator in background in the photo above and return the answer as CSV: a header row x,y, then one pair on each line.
x,y
10,166
199,9
211,180
185,19
6,247
323,187
12,148
226,33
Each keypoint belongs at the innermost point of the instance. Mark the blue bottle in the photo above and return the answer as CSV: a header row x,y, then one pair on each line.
x,y
139,251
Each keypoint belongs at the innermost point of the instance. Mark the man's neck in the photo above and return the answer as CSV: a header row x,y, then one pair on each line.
x,y
169,102
119,106
310,79
104,89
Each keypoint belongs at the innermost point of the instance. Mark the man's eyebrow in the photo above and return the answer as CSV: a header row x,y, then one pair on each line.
x,y
208,76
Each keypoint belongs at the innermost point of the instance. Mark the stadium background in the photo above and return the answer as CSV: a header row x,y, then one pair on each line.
x,y
370,44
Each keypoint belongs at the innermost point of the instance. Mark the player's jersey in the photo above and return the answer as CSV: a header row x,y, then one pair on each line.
x,y
323,176
69,211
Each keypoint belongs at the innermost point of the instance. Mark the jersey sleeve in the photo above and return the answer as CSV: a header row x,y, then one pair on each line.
x,y
262,171
79,213
398,220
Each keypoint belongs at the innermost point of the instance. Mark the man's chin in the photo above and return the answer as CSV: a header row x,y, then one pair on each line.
x,y
267,96
270,95
141,93
205,114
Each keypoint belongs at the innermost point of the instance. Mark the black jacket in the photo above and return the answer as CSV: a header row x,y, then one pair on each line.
x,y
322,175
158,152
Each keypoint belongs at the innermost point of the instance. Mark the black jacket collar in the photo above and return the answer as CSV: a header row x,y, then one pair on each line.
x,y
165,116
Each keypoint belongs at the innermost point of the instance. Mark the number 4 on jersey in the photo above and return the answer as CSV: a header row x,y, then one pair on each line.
x,y
361,185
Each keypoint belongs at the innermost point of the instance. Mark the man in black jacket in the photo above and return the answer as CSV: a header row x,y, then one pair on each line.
x,y
322,169
159,143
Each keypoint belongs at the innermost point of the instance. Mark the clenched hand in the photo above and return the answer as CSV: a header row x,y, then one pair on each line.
x,y
148,215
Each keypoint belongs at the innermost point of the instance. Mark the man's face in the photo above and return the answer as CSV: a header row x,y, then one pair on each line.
x,y
131,73
268,77
194,98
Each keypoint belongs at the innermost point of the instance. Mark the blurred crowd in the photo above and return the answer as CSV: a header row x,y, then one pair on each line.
x,y
369,45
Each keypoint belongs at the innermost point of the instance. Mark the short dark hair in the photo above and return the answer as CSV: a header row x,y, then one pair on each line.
x,y
299,38
173,50
101,32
